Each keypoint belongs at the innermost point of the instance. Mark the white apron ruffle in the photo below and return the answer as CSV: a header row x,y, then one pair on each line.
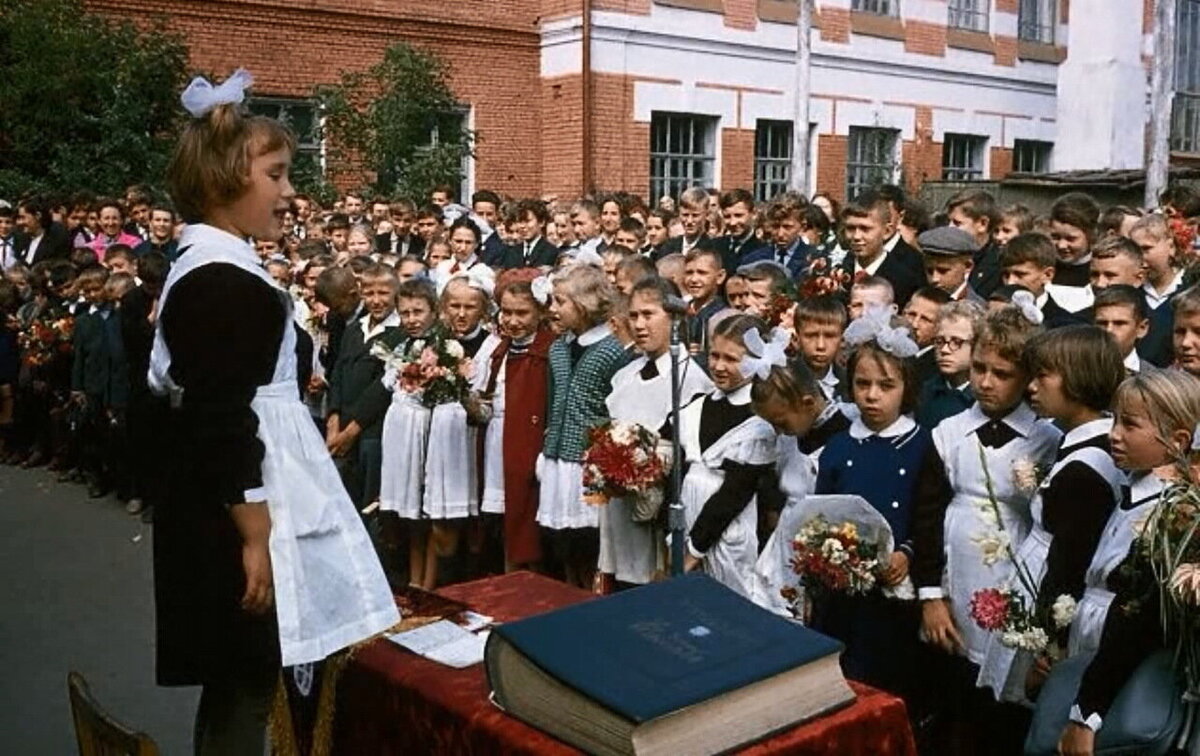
x,y
405,435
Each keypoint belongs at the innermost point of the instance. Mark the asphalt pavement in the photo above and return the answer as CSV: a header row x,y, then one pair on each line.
x,y
76,593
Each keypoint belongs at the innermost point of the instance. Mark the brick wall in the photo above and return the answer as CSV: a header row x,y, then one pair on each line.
x,y
831,165
1001,162
737,158
562,135
924,38
492,46
835,25
741,14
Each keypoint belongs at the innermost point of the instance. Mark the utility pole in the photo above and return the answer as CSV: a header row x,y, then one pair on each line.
x,y
800,119
1162,93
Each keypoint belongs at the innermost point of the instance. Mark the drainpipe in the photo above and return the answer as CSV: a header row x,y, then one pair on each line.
x,y
586,66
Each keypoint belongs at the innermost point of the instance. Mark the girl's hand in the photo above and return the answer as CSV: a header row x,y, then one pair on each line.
x,y
1035,678
1077,740
260,591
691,563
896,570
937,626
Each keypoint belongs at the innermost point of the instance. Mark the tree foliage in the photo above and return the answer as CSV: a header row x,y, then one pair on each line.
x,y
399,120
88,102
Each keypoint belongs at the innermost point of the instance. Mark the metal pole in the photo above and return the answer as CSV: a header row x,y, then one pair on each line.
x,y
1162,93
800,119
675,518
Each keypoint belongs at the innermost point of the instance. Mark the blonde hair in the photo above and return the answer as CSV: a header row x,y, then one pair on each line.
x,y
588,287
1171,399
211,163
972,312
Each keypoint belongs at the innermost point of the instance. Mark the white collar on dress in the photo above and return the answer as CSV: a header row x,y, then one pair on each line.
x,y
738,397
1021,419
593,334
1143,486
392,320
903,424
1088,430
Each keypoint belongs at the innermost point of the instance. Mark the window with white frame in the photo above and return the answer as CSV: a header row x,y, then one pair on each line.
x,y
878,7
453,126
971,15
1031,156
1036,20
772,159
1185,109
870,159
682,153
963,157
304,119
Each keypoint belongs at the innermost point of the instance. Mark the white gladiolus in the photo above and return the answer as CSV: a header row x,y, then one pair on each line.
x,y
1064,610
1025,475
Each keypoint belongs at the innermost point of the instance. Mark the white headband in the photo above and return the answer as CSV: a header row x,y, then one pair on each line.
x,y
875,325
201,96
1025,302
761,357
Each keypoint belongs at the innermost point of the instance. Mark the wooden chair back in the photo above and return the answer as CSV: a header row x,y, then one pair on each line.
x,y
97,732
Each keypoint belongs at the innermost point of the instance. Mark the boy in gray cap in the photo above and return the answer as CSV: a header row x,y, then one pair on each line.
x,y
949,254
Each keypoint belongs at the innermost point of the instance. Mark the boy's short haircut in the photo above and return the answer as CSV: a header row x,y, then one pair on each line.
x,y
586,206
338,222
876,282
636,268
735,196
866,203
965,309
373,271
696,253
1087,359
418,288
1112,218
1006,331
619,251
1117,246
1123,295
411,259
357,194
311,248
1079,210
915,215
137,194
7,211
333,284
823,310
666,216
445,189
359,264
1020,216
431,211
631,225
765,271
122,251
670,265
976,205
1154,224
276,264
92,274
162,207
1032,247
815,217
782,209
84,257
401,206
485,195
534,207
1186,302
893,193
933,294
1183,198
694,198
153,269
118,285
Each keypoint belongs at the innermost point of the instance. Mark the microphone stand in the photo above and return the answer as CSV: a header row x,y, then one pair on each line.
x,y
675,519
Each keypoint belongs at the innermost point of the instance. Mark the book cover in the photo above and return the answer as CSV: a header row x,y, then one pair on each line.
x,y
653,650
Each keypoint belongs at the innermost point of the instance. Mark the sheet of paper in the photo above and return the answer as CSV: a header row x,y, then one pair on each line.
x,y
472,621
443,642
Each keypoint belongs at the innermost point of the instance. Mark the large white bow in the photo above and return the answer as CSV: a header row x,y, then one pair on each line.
x,y
1027,304
201,96
762,356
876,325
479,277
542,288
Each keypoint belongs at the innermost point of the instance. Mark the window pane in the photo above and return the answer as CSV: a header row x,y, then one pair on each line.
x,y
963,157
682,153
968,14
772,158
880,7
871,159
1036,20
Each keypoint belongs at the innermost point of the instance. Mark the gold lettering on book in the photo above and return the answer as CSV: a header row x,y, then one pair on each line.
x,y
668,640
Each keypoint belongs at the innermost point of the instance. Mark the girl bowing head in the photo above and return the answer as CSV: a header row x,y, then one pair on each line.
x,y
260,559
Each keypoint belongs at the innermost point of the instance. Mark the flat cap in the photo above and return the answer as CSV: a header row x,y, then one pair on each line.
x,y
947,241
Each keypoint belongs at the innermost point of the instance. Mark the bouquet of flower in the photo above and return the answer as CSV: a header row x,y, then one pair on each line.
x,y
622,459
44,339
833,557
434,368
821,279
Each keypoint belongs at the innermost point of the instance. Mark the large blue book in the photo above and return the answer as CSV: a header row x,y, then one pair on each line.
x,y
684,666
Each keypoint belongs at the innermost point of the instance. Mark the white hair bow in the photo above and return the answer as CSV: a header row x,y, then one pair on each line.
x,y
201,96
479,277
542,288
762,356
876,325
1027,304
589,257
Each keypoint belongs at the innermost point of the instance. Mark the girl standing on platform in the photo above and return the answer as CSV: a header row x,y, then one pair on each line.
x,y
641,394
260,558
878,458
406,430
1076,371
728,449
1152,438
582,364
976,454
515,431
452,462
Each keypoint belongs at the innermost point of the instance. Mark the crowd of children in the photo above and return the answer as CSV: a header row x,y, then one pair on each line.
x,y
822,341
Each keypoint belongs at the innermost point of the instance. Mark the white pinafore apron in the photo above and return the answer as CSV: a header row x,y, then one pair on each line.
x,y
1003,669
1118,537
330,591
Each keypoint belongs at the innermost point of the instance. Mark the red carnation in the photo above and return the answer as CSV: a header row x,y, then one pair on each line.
x,y
989,608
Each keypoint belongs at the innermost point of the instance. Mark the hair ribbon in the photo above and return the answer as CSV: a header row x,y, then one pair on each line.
x,y
762,356
201,96
875,325
1025,302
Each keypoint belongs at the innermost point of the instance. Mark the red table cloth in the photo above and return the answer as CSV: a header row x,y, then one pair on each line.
x,y
390,701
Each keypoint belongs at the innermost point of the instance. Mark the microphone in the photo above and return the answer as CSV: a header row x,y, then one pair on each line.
x,y
673,305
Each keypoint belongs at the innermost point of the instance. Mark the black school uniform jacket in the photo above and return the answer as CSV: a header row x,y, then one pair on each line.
x,y
352,386
99,368
675,245
736,251
902,268
544,253
1055,315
